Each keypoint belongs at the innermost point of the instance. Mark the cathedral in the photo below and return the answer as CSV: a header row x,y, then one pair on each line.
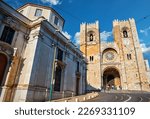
x,y
118,64
39,63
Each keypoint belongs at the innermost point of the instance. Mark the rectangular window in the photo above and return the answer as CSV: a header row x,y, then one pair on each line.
x,y
77,66
7,35
56,20
38,12
129,56
91,58
60,55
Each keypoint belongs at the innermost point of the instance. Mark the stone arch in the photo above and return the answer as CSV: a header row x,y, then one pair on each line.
x,y
108,49
125,32
111,78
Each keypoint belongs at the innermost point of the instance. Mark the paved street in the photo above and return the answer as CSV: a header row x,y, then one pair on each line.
x,y
122,97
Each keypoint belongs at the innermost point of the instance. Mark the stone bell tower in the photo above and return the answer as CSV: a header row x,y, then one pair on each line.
x,y
90,46
132,62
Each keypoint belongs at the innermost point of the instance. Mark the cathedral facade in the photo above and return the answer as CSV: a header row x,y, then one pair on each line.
x,y
118,64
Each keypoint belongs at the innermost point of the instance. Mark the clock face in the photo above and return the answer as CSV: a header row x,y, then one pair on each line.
x,y
109,55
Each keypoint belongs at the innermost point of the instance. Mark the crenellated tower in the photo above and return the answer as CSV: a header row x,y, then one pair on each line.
x,y
131,57
90,46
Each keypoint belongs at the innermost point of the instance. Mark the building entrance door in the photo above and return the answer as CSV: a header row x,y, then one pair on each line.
x,y
111,79
57,84
77,86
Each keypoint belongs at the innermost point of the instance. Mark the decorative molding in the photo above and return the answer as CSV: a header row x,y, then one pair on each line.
x,y
38,34
6,48
35,34
11,22
26,37
9,51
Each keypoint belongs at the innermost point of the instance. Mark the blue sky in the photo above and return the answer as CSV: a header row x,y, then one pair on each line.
x,y
77,11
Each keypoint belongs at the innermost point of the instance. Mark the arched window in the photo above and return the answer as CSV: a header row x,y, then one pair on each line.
x,y
3,64
125,34
91,37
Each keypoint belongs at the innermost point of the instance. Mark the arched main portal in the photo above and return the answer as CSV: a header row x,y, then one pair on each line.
x,y
3,64
111,79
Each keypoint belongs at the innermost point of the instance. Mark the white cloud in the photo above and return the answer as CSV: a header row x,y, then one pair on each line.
x,y
145,31
142,31
66,34
105,35
145,49
52,2
77,38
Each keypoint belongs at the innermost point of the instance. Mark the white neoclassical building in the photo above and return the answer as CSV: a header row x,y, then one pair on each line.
x,y
37,62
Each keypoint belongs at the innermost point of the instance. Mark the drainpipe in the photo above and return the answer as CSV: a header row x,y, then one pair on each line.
x,y
53,71
53,68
